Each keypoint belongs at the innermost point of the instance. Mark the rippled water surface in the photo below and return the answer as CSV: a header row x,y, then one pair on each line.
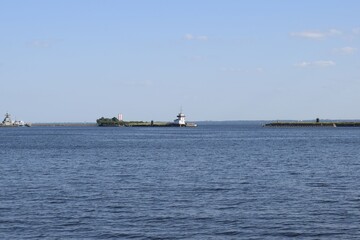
x,y
211,182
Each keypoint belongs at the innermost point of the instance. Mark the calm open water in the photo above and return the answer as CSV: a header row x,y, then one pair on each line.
x,y
211,182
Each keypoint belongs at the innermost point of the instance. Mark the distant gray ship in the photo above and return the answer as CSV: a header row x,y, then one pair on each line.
x,y
7,122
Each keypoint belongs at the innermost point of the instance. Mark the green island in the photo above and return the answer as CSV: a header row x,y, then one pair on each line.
x,y
115,122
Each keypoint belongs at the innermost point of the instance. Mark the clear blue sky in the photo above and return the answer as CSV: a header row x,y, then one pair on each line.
x,y
78,60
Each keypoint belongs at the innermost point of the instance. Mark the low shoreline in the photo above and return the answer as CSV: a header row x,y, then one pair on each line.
x,y
279,124
148,124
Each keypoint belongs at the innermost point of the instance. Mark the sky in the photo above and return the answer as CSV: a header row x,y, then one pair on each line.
x,y
79,60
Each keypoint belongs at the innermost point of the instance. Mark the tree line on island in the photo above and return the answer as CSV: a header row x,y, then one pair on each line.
x,y
103,122
115,122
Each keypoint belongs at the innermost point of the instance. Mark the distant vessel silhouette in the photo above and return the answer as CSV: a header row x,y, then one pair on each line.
x,y
180,121
7,122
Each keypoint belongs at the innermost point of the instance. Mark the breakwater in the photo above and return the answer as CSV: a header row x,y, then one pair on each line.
x,y
313,124
147,124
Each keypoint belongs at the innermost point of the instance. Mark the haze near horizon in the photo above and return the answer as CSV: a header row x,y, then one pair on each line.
x,y
76,61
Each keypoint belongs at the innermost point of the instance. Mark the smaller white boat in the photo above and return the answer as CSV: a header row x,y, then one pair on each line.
x,y
180,121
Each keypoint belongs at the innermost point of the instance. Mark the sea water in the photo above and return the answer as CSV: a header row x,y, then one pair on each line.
x,y
239,181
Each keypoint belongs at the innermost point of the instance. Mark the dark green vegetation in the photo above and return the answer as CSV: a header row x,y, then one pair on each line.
x,y
114,122
109,122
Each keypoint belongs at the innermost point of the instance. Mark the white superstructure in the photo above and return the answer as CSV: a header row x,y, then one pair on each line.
x,y
7,120
180,119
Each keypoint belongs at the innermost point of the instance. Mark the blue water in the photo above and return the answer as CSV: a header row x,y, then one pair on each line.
x,y
237,181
